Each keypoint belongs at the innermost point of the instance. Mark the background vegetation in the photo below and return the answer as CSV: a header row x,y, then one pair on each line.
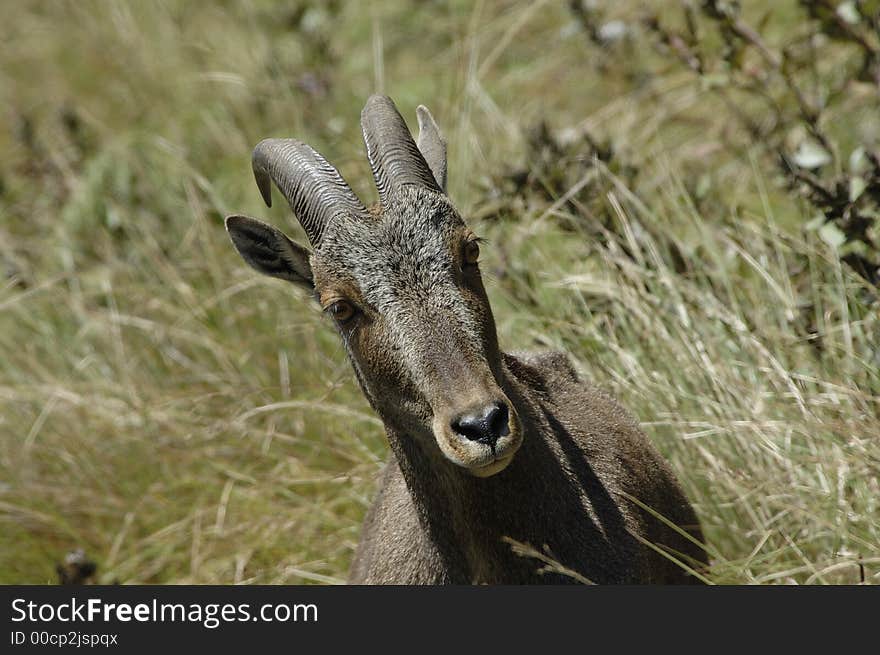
x,y
682,196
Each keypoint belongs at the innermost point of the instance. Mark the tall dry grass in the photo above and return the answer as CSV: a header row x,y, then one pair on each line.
x,y
186,421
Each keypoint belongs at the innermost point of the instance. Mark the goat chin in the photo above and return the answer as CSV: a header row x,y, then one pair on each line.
x,y
494,468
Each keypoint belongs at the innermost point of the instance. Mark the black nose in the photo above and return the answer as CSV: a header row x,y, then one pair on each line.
x,y
485,425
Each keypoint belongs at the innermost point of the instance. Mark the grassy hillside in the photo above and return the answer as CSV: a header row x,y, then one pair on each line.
x,y
186,421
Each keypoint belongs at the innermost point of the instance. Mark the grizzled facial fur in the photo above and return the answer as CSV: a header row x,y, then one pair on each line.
x,y
402,284
406,294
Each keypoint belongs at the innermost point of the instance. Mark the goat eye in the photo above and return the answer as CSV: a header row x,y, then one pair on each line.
x,y
341,310
471,252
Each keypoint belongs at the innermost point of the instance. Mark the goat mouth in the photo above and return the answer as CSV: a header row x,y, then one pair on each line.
x,y
495,466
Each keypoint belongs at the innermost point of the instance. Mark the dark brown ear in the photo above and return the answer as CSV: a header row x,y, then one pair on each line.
x,y
269,251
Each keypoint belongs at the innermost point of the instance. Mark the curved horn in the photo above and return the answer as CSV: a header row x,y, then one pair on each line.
x,y
314,189
394,156
432,145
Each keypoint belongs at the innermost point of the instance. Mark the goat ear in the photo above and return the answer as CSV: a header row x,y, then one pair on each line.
x,y
432,145
269,251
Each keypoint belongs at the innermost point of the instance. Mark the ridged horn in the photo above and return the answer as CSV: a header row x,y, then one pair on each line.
x,y
394,156
314,189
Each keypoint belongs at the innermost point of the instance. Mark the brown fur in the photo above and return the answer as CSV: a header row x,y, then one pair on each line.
x,y
562,490
421,338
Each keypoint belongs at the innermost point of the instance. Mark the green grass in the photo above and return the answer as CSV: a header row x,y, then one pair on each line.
x,y
185,421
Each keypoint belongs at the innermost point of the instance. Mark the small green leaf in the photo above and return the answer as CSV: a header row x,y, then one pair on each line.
x,y
811,155
849,12
704,185
832,235
613,31
858,162
855,247
815,223
856,186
